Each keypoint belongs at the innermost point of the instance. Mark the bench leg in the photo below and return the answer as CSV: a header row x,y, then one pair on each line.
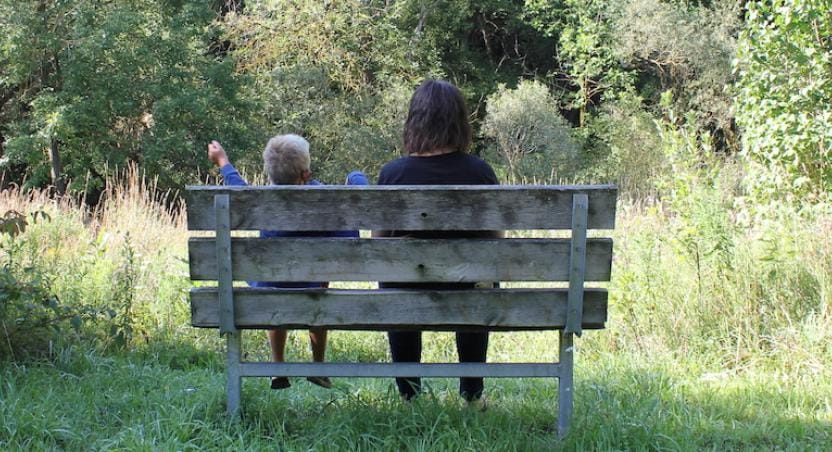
x,y
233,383
565,384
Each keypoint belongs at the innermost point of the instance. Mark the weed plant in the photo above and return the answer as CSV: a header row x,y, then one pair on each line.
x,y
118,269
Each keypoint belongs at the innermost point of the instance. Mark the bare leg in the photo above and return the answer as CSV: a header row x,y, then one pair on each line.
x,y
277,342
317,337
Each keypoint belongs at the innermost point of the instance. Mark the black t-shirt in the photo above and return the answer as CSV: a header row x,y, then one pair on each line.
x,y
456,168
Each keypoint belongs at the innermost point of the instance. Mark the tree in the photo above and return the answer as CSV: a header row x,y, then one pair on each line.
x,y
339,74
784,98
686,48
585,32
332,70
97,85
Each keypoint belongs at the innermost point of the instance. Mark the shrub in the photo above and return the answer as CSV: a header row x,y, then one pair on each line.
x,y
626,147
31,315
531,136
109,278
785,99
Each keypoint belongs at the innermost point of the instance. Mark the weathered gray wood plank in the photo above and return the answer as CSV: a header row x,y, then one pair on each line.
x,y
497,309
233,344
577,265
233,372
404,260
222,259
332,208
362,370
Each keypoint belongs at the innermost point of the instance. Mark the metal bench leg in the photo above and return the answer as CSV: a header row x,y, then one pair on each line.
x,y
574,316
565,384
226,299
233,383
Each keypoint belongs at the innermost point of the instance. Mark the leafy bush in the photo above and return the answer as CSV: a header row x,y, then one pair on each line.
x,y
108,279
744,291
531,136
686,49
785,99
625,147
32,317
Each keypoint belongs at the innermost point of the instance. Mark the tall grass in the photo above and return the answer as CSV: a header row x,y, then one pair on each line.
x,y
718,337
123,261
736,297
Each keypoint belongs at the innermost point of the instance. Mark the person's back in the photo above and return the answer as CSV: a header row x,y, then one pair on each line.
x,y
436,135
455,168
286,162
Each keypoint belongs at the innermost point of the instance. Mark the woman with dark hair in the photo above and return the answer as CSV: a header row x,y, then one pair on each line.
x,y
437,134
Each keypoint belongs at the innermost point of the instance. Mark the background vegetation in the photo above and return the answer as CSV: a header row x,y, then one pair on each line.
x,y
713,117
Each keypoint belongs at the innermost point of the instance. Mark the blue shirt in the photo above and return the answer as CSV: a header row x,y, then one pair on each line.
x,y
231,176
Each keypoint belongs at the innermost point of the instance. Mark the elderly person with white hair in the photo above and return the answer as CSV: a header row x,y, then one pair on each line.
x,y
286,162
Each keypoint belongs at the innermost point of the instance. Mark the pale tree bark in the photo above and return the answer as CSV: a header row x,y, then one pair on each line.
x,y
56,169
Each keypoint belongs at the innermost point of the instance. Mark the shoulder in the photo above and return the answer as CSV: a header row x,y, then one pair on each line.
x,y
476,161
357,178
481,168
394,164
391,169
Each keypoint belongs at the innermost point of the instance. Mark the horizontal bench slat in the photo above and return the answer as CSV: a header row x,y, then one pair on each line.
x,y
491,370
496,309
334,208
404,260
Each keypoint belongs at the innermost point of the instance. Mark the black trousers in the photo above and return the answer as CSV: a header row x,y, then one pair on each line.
x,y
406,347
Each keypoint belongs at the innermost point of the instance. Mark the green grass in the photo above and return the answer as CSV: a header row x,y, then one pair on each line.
x,y
171,397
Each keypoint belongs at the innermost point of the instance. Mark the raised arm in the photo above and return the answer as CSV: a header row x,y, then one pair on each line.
x,y
217,155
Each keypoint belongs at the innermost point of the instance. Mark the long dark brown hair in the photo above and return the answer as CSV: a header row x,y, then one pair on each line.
x,y
437,118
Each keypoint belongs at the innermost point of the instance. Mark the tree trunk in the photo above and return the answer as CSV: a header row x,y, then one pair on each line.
x,y
57,171
585,101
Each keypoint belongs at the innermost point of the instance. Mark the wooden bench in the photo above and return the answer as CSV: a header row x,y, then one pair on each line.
x,y
323,208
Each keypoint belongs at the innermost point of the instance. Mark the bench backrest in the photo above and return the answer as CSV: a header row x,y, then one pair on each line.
x,y
403,208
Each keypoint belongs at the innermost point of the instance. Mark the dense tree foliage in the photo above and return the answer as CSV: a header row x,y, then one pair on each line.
x,y
785,97
90,86
687,51
87,87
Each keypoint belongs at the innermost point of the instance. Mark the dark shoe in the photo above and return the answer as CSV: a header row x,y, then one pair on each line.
x,y
320,381
280,382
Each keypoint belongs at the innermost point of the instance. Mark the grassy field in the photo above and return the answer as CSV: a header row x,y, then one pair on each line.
x,y
719,337
170,397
